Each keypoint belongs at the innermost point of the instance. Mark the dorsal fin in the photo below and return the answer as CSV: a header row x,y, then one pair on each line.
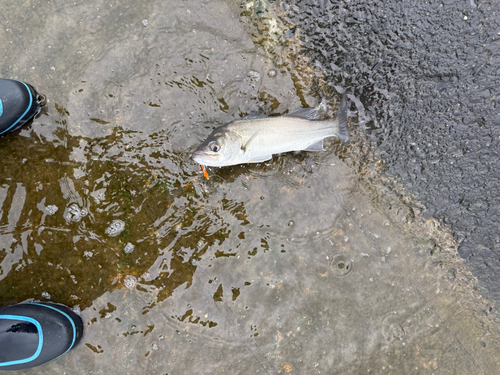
x,y
304,113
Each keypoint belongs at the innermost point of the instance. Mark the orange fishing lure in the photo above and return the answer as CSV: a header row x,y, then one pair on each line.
x,y
205,173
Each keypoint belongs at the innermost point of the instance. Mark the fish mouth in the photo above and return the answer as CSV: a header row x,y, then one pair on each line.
x,y
207,159
196,156
201,157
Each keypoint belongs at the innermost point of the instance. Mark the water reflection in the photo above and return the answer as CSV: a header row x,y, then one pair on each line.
x,y
87,215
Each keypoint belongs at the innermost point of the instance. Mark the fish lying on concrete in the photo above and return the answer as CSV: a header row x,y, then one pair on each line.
x,y
255,138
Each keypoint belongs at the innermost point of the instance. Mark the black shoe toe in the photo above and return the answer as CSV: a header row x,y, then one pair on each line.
x,y
34,333
19,103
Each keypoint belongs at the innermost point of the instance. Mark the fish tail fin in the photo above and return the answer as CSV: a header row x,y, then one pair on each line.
x,y
343,132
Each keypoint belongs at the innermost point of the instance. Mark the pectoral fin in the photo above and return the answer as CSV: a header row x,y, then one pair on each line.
x,y
249,142
318,146
260,159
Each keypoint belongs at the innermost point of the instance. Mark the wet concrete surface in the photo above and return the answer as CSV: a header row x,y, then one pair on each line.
x,y
305,264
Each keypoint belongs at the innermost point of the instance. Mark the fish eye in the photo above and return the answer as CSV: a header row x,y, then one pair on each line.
x,y
214,147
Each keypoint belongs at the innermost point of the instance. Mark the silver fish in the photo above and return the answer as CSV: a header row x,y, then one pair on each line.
x,y
255,138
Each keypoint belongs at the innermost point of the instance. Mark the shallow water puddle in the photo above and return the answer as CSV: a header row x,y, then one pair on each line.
x,y
292,266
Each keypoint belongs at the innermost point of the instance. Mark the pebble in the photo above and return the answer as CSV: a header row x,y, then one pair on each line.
x,y
51,210
115,228
130,282
129,247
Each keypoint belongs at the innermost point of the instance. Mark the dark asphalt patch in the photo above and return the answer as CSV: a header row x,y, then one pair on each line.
x,y
427,76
